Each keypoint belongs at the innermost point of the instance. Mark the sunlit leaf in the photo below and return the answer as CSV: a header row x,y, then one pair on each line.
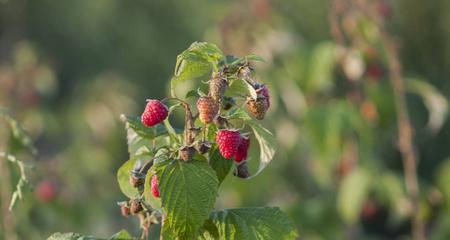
x,y
194,65
240,87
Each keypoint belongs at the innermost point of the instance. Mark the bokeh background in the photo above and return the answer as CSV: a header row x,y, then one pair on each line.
x,y
68,69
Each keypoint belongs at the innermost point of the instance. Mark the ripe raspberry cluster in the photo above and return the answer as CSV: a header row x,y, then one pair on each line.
x,y
231,143
170,167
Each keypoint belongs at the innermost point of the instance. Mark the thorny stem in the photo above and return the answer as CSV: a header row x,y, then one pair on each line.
x,y
144,225
405,136
405,129
190,131
336,32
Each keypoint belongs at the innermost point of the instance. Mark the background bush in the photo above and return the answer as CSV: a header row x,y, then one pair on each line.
x,y
69,68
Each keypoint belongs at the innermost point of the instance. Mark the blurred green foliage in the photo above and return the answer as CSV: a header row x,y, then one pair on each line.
x,y
68,69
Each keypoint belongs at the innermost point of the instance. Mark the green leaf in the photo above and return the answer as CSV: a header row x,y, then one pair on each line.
x,y
267,145
241,87
254,224
352,193
188,192
193,65
139,136
238,113
209,231
122,235
140,129
18,131
123,174
167,232
254,57
204,50
233,60
189,73
70,236
221,165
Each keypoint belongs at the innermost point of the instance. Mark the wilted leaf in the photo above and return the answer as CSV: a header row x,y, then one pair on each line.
x,y
254,224
267,145
435,102
188,192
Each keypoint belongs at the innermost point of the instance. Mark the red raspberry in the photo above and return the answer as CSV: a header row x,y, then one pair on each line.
x,y
155,112
207,109
228,141
242,151
155,189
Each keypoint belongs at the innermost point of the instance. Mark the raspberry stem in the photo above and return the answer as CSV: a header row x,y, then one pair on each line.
x,y
190,131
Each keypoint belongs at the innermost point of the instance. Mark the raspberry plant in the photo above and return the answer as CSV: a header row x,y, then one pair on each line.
x,y
173,175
